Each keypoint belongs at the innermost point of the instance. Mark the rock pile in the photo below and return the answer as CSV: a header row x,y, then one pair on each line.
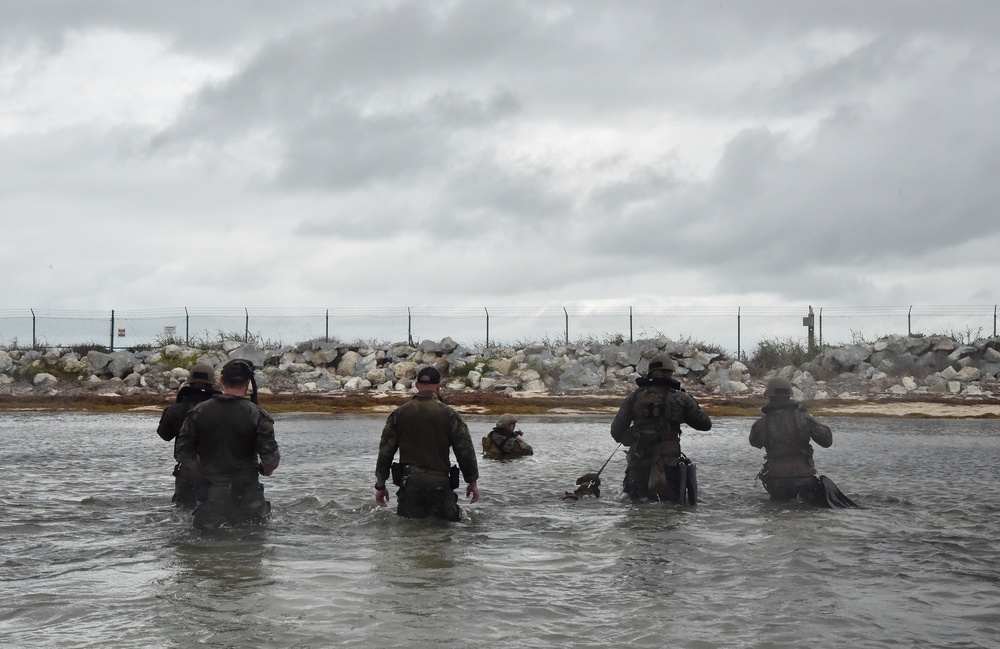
x,y
895,365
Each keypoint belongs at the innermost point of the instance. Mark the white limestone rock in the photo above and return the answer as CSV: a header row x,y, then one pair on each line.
x,y
44,380
348,364
968,374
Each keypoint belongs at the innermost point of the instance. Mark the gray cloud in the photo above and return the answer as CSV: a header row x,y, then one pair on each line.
x,y
796,150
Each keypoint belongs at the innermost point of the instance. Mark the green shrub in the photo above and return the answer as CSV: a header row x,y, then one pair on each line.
x,y
39,367
773,354
463,369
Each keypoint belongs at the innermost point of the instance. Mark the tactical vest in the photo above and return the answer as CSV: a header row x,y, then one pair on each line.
x,y
787,442
657,418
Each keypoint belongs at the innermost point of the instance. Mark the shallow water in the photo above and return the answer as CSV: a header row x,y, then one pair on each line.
x,y
94,554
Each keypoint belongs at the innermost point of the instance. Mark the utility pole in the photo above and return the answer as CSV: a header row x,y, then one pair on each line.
x,y
810,322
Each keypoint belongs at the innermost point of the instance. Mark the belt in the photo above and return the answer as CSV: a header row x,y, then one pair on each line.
x,y
412,469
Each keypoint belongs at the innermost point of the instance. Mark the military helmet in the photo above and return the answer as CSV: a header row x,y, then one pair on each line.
x,y
663,363
505,420
778,387
202,374
238,370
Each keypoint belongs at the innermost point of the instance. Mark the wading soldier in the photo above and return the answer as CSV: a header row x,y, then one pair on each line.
x,y
649,423
200,386
504,442
785,432
229,440
424,430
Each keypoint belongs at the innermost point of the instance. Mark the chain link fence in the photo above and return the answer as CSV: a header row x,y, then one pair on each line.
x,y
737,331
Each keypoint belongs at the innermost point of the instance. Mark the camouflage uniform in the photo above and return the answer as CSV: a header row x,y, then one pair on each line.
x,y
424,430
502,444
188,488
784,432
227,434
649,423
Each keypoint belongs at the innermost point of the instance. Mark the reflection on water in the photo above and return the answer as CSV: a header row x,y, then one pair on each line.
x,y
96,556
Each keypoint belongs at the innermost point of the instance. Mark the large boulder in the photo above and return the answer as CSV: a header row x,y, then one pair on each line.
x,y
575,376
249,353
44,380
98,362
121,364
173,351
324,356
845,359
348,364
442,348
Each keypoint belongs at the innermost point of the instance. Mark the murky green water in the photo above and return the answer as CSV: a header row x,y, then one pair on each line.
x,y
94,554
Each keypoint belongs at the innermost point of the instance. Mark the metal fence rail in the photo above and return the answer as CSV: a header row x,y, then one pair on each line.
x,y
735,330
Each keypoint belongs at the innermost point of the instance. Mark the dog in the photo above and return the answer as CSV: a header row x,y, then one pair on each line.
x,y
590,485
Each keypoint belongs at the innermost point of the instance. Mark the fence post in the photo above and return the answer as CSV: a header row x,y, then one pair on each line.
x,y
409,327
34,342
327,337
567,324
739,332
112,345
994,321
187,327
909,321
246,326
810,322
487,326
821,326
630,325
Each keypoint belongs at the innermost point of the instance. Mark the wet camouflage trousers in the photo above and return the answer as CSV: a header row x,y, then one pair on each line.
x,y
189,488
232,503
806,487
427,495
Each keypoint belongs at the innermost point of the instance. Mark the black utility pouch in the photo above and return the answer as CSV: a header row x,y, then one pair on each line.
x,y
396,471
453,477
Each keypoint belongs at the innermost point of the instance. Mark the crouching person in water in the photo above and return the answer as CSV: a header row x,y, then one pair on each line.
x,y
649,423
221,440
504,442
425,430
785,432
200,386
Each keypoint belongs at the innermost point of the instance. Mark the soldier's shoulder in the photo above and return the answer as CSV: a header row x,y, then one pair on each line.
x,y
454,414
681,395
196,407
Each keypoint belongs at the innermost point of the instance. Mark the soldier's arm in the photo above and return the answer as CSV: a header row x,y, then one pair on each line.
x,y
621,427
267,446
186,446
757,433
819,433
387,448
465,452
695,417
169,425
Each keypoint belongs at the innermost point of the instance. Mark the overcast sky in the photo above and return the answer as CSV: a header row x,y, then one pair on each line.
x,y
499,153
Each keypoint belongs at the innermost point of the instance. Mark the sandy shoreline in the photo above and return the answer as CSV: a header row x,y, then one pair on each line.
x,y
496,404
